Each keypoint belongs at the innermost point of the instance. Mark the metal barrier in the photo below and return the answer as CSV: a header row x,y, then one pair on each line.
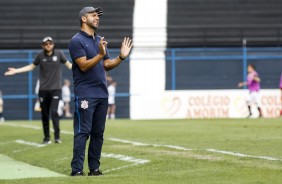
x,y
244,57
174,55
26,56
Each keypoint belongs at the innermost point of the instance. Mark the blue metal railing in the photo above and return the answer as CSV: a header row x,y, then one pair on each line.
x,y
241,54
28,59
175,55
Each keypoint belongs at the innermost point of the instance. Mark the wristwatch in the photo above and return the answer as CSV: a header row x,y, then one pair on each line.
x,y
122,58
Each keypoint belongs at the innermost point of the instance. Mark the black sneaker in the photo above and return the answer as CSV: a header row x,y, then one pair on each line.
x,y
46,141
58,141
77,174
96,172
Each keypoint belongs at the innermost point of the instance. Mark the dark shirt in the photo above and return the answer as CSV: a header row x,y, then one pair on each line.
x,y
50,75
91,83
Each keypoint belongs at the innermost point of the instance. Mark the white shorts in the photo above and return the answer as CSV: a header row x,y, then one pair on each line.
x,y
66,99
111,100
254,98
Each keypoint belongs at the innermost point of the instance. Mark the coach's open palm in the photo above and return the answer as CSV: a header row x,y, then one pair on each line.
x,y
126,47
11,71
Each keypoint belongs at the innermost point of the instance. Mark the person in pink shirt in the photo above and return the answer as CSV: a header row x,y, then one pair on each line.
x,y
281,92
253,83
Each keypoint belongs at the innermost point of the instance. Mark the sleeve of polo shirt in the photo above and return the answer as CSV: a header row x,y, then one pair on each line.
x,y
107,56
63,57
76,49
36,60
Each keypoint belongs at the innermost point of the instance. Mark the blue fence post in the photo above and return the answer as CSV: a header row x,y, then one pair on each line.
x,y
30,109
245,62
173,70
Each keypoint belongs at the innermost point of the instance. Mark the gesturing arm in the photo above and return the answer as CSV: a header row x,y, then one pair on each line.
x,y
85,64
68,65
65,61
13,71
124,52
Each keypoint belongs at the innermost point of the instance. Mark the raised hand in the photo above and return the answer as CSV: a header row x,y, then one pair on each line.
x,y
11,71
102,46
126,47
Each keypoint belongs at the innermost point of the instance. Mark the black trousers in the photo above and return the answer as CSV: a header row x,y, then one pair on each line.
x,y
49,102
89,121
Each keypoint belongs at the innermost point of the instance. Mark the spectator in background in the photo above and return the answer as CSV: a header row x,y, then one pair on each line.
x,y
50,90
2,119
253,83
111,100
66,94
281,92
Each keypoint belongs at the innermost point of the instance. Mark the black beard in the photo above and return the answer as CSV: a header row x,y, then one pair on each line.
x,y
92,26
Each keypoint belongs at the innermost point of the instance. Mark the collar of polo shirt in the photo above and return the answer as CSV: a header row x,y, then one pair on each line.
x,y
86,34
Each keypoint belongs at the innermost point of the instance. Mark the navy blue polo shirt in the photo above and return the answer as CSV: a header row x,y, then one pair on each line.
x,y
91,83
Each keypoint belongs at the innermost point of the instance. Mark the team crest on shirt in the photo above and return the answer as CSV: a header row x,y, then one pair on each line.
x,y
55,58
84,104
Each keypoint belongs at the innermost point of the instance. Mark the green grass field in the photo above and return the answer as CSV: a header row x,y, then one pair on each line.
x,y
222,151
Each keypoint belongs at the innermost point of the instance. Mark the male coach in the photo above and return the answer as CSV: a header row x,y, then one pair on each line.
x,y
50,78
91,61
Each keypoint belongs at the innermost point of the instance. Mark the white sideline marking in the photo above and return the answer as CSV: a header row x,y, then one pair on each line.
x,y
33,127
125,158
129,142
174,147
157,145
119,168
65,132
23,126
118,157
30,143
154,145
189,149
243,155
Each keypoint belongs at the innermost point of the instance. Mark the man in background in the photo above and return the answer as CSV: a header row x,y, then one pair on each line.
x,y
253,83
111,100
66,94
50,77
